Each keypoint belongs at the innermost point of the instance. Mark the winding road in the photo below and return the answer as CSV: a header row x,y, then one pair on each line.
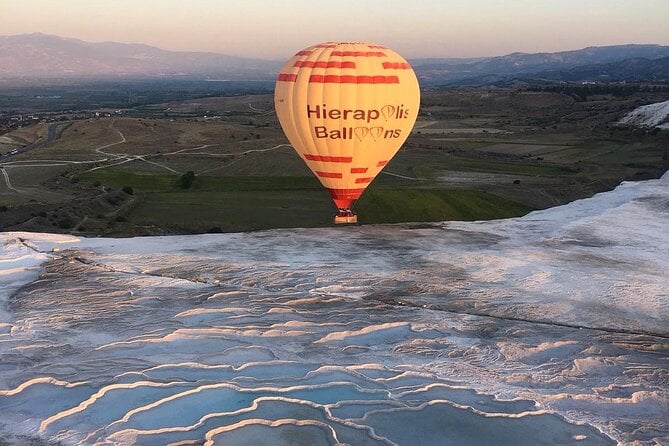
x,y
52,133
114,159
6,177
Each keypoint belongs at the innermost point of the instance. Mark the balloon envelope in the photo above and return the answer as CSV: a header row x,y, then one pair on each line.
x,y
346,108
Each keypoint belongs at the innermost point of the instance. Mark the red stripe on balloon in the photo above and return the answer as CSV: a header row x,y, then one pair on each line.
x,y
303,53
328,174
323,64
396,66
286,77
364,180
358,169
358,54
381,163
331,79
329,159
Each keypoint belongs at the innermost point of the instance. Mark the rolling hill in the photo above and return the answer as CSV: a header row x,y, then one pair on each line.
x,y
527,65
46,56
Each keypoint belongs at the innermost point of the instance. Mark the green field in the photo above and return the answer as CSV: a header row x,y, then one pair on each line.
x,y
474,165
158,182
253,203
401,205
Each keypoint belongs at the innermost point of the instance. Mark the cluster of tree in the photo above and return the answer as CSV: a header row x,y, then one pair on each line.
x,y
186,180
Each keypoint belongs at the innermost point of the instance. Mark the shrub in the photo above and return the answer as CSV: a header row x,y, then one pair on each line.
x,y
186,180
65,223
128,190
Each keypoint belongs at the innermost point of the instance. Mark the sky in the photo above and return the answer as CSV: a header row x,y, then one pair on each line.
x,y
275,29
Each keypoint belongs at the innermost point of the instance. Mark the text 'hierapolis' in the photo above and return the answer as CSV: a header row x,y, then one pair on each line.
x,y
371,122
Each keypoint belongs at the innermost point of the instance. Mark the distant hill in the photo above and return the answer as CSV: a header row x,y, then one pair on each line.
x,y
38,55
637,69
631,70
46,56
495,69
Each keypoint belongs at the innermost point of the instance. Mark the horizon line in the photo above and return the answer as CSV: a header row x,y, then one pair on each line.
x,y
281,59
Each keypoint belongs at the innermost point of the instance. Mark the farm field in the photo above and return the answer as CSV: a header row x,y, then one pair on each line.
x,y
474,154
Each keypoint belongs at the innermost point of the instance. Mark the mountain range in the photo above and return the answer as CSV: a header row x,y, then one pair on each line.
x,y
45,56
636,69
39,55
607,63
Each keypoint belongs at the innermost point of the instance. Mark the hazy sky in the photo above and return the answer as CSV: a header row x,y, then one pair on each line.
x,y
416,28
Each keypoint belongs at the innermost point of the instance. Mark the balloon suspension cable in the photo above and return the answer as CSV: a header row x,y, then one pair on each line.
x,y
344,216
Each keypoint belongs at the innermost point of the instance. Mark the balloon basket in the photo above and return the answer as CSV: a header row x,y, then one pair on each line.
x,y
345,216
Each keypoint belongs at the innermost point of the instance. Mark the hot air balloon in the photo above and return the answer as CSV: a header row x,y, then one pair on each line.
x,y
346,108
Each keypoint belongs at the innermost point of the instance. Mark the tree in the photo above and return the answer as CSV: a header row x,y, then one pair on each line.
x,y
186,180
